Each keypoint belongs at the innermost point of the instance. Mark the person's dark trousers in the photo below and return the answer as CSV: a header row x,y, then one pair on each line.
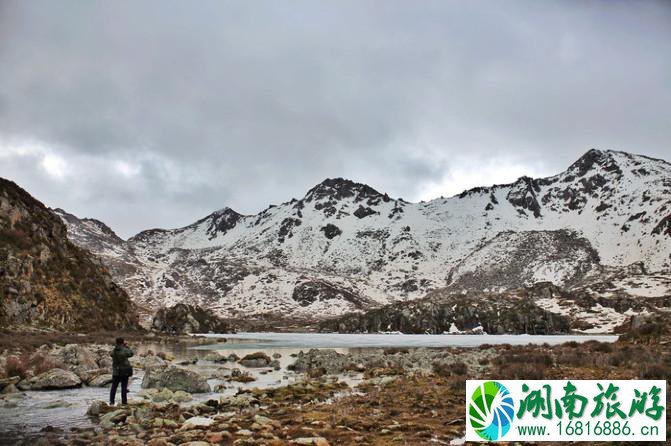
x,y
116,380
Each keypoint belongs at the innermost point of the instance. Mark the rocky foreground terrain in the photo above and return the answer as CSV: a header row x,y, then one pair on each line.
x,y
376,397
345,247
46,280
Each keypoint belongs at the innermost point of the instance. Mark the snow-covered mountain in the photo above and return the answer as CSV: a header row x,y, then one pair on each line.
x,y
346,247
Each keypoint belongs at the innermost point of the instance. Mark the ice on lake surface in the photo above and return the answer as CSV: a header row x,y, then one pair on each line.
x,y
24,416
337,340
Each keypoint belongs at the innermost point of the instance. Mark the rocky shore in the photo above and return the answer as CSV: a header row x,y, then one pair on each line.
x,y
369,397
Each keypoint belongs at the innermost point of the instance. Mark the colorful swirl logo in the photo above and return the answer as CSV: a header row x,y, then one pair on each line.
x,y
491,410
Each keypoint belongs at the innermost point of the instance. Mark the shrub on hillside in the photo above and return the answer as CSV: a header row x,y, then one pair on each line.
x,y
15,366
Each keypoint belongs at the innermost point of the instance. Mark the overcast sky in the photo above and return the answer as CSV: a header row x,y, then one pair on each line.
x,y
153,114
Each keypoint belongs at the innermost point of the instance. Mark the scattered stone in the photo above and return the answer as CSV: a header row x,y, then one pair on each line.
x,y
258,359
313,441
214,357
51,380
241,400
197,422
108,420
101,380
9,389
96,408
175,378
162,395
57,404
12,380
218,437
181,397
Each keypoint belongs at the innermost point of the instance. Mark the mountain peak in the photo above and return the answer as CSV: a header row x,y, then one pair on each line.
x,y
594,158
340,188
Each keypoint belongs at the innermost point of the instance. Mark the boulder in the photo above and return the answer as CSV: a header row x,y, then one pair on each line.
x,y
175,378
51,380
258,359
148,362
181,397
77,357
88,375
242,400
108,420
8,390
12,380
96,408
331,361
197,422
214,357
183,318
101,380
162,396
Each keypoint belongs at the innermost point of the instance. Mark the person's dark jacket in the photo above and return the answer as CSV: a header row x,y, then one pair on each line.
x,y
120,364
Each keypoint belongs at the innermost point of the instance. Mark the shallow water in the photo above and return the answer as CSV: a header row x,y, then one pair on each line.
x,y
33,411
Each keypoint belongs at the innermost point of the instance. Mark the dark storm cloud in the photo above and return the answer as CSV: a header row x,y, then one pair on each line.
x,y
154,113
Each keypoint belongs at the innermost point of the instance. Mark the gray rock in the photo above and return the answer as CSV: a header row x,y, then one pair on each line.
x,y
197,422
101,380
7,390
175,378
108,420
96,408
183,318
214,357
12,380
51,380
258,359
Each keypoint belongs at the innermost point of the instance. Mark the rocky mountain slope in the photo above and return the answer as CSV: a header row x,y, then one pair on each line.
x,y
346,247
47,281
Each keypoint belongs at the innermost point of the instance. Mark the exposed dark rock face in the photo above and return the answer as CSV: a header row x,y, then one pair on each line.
x,y
309,292
498,314
523,195
330,231
286,228
513,259
47,281
664,226
183,318
363,212
339,188
221,222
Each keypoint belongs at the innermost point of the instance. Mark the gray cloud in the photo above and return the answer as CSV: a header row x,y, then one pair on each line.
x,y
154,113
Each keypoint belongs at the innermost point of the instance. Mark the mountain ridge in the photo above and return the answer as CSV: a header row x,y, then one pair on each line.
x,y
44,276
366,249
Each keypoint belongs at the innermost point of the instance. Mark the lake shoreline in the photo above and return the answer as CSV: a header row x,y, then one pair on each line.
x,y
356,387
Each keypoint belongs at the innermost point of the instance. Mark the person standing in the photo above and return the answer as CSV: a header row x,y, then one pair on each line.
x,y
121,370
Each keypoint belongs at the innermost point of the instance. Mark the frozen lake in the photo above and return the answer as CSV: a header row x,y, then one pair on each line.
x,y
21,418
336,340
